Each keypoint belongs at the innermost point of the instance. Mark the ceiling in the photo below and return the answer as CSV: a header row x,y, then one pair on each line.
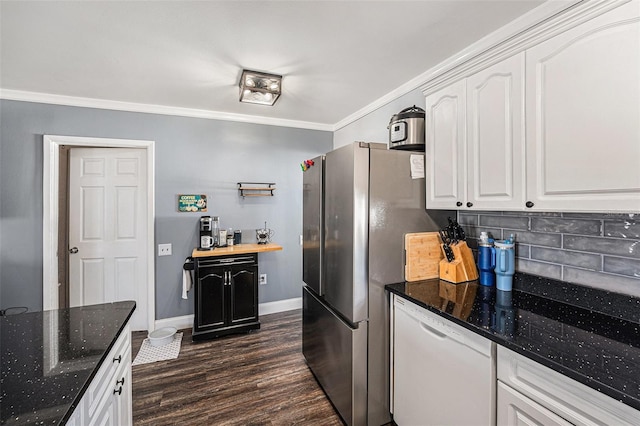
x,y
336,57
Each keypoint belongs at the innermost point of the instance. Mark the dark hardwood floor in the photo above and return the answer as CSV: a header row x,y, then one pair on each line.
x,y
259,378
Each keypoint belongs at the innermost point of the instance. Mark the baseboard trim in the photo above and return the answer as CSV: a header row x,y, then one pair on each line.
x,y
186,321
280,306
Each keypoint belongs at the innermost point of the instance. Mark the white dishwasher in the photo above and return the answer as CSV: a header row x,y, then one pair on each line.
x,y
443,374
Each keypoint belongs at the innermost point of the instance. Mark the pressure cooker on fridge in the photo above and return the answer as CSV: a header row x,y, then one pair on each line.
x,y
406,130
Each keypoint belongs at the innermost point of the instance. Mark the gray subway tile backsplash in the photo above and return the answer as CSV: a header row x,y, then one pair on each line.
x,y
504,222
593,249
544,269
625,228
615,283
535,238
567,257
566,226
622,266
604,245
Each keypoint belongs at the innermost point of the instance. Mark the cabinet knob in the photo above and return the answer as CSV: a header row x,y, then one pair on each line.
x,y
459,203
529,204
118,359
120,382
118,391
469,204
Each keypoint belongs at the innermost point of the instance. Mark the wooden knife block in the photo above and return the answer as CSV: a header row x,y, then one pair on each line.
x,y
462,268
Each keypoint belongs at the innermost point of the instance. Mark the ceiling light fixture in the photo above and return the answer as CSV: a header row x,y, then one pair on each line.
x,y
259,87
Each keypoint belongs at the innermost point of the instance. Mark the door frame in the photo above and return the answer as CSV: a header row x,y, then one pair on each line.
x,y
50,191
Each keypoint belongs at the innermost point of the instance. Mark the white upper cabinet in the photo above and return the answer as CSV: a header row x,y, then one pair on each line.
x,y
583,116
475,140
495,136
553,125
445,145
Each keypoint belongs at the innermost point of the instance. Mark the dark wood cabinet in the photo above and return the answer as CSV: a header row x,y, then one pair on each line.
x,y
226,295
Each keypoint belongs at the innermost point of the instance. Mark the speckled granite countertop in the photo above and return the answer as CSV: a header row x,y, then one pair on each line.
x,y
50,357
590,335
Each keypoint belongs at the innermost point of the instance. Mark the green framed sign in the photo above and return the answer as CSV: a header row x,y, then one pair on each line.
x,y
192,203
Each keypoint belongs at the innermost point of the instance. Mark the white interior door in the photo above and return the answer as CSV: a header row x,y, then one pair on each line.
x,y
107,226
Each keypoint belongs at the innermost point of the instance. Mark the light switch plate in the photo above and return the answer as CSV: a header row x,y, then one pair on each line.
x,y
164,249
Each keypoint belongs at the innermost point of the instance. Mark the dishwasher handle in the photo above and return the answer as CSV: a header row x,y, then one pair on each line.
x,y
430,330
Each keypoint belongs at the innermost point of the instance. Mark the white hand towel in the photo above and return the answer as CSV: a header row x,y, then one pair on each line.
x,y
186,283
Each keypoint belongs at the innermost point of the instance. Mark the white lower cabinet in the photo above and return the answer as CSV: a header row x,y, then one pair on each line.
x,y
517,410
531,394
107,400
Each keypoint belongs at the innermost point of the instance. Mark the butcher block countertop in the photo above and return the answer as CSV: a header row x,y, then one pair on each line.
x,y
236,249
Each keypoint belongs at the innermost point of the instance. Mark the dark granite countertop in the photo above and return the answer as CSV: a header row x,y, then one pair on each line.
x,y
50,357
589,335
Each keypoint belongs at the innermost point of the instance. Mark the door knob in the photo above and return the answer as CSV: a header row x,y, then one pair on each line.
x,y
73,250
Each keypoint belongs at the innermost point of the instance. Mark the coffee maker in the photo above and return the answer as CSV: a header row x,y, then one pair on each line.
x,y
206,233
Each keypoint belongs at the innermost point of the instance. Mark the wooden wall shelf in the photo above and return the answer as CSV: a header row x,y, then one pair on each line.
x,y
256,189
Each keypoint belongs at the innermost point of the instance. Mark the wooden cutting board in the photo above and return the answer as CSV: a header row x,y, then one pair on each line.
x,y
422,256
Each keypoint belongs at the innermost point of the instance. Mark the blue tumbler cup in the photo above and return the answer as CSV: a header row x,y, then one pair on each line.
x,y
505,315
486,260
505,264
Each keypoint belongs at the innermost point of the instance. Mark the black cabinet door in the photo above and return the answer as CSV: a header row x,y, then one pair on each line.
x,y
244,294
211,308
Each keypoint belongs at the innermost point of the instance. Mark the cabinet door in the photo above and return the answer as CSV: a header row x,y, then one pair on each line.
x,y
122,395
445,146
495,136
211,309
106,414
244,294
583,109
515,409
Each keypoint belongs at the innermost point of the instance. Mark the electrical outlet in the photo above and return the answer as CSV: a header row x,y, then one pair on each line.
x,y
263,279
164,249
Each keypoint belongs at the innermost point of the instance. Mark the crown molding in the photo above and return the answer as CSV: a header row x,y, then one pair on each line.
x,y
534,17
47,98
572,14
541,23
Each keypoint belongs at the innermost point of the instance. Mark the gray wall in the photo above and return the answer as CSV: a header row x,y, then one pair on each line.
x,y
193,155
597,250
373,127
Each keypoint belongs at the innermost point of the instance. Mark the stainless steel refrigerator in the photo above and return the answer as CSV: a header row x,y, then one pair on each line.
x,y
358,202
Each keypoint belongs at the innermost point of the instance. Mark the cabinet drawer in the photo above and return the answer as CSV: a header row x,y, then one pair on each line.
x,y
102,385
516,409
571,400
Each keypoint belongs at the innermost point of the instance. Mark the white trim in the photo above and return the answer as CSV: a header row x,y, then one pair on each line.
x,y
455,69
526,21
182,322
52,145
527,30
186,321
280,306
47,98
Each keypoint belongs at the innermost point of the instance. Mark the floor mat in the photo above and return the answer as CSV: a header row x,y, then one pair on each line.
x,y
150,353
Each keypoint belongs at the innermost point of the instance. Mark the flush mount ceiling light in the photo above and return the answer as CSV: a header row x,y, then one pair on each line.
x,y
259,87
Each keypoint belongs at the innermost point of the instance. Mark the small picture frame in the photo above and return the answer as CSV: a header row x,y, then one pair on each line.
x,y
192,203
